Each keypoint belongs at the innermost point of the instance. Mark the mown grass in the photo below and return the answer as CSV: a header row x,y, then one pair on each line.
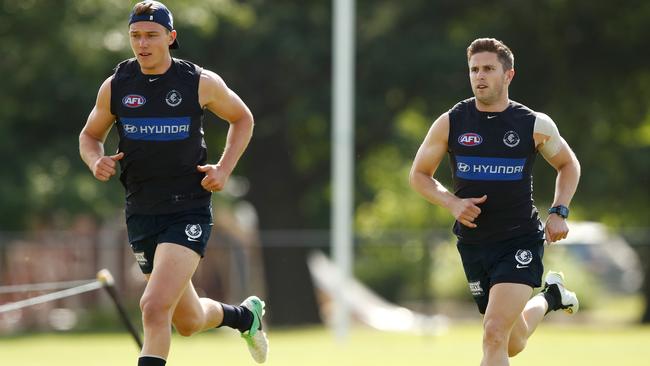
x,y
568,344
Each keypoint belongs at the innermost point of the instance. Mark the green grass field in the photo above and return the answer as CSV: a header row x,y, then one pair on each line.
x,y
552,344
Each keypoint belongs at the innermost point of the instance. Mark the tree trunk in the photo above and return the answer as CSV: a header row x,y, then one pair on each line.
x,y
644,254
290,291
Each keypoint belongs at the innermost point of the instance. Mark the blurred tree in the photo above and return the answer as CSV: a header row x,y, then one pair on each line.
x,y
579,61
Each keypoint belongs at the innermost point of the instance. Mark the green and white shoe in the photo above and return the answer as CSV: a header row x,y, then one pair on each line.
x,y
258,344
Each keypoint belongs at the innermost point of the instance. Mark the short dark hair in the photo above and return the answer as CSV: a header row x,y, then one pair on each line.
x,y
144,7
504,54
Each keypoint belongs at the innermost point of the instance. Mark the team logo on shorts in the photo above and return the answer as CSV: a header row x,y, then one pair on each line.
x,y
173,98
193,231
524,257
476,289
140,258
511,139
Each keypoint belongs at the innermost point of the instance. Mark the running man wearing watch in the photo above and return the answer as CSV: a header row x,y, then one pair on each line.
x,y
492,143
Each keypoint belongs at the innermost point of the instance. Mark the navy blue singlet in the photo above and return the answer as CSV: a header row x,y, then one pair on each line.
x,y
492,153
159,121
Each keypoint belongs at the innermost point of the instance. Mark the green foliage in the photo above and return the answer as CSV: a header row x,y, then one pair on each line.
x,y
447,275
397,275
583,72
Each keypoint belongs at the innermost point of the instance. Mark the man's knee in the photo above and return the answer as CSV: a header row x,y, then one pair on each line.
x,y
154,309
495,333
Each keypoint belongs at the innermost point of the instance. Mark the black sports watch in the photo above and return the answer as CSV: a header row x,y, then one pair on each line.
x,y
559,210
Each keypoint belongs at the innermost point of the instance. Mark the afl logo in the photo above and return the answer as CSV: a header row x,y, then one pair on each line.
x,y
524,256
470,139
193,231
511,139
462,167
173,98
130,129
133,101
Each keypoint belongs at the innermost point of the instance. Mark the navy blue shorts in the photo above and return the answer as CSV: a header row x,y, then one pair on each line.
x,y
190,228
517,260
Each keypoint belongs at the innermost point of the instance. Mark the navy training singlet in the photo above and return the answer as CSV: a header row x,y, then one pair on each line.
x,y
160,125
492,153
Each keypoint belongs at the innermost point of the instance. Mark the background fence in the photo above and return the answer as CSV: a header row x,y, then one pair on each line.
x,y
420,270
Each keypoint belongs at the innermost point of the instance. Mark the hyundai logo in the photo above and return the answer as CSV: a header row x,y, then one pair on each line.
x,y
130,129
462,167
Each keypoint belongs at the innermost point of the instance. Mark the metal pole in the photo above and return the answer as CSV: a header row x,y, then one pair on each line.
x,y
51,296
47,286
342,152
106,278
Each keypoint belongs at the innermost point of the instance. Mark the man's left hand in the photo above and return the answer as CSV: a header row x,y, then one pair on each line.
x,y
556,228
215,177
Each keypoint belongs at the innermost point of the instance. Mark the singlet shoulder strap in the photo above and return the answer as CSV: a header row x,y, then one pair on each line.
x,y
125,69
186,68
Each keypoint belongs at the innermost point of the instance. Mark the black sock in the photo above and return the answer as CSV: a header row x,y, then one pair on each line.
x,y
553,298
236,317
151,361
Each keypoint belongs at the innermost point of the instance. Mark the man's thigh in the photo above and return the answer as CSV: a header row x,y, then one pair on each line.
x,y
173,268
506,302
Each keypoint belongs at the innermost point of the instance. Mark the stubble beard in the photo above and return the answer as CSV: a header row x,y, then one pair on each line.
x,y
490,98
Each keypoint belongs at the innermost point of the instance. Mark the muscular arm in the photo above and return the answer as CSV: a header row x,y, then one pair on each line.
x,y
568,174
562,158
93,135
426,162
215,95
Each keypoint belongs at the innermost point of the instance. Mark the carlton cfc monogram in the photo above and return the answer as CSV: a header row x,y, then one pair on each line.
x,y
173,98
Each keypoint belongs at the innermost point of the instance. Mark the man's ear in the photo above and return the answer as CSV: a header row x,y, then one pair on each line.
x,y
172,34
510,74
